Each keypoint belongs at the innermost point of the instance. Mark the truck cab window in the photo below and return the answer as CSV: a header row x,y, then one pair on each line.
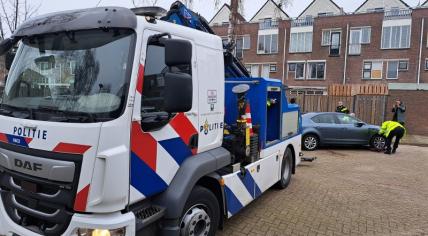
x,y
152,105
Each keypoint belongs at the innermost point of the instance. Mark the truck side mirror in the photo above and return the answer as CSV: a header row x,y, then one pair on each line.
x,y
177,52
178,92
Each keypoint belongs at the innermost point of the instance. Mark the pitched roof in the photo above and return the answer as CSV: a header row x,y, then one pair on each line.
x,y
264,5
365,2
312,3
240,17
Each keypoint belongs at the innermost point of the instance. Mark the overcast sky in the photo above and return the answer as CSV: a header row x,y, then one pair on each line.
x,y
204,7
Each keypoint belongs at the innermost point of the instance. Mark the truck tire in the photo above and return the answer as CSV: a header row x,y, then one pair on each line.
x,y
201,213
286,169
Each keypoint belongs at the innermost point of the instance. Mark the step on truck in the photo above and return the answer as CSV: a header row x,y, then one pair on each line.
x,y
119,122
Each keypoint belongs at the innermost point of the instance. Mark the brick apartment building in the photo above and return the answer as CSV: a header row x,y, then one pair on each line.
x,y
383,41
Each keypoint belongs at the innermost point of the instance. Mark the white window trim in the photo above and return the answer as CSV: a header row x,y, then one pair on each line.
x,y
360,28
270,68
243,43
304,69
387,69
401,34
408,64
316,61
371,78
297,52
268,53
333,30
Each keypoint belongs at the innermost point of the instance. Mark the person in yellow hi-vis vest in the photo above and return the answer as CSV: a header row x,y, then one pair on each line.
x,y
391,129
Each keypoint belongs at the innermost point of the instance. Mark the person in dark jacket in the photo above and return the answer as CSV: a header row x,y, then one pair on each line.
x,y
341,108
399,111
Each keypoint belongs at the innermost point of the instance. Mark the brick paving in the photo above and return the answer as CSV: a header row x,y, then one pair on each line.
x,y
345,192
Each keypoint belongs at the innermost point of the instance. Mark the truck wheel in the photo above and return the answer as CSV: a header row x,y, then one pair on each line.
x,y
310,142
286,169
201,213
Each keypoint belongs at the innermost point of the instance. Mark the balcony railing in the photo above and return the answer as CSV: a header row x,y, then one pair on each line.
x,y
302,22
398,13
268,24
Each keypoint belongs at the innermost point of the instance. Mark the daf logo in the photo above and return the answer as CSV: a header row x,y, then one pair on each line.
x,y
28,165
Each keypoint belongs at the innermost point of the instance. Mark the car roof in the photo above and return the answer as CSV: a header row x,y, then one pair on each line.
x,y
312,114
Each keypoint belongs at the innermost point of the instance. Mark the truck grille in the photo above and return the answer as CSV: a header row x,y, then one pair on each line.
x,y
40,205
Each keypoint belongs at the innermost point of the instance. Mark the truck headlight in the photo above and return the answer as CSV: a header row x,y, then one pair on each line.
x,y
100,232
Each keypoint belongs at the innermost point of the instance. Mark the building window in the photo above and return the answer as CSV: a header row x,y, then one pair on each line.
x,y
426,64
403,65
273,68
298,68
326,36
316,70
392,70
372,69
359,36
268,44
301,42
396,37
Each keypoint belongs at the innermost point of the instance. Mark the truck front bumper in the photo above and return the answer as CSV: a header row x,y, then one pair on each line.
x,y
90,221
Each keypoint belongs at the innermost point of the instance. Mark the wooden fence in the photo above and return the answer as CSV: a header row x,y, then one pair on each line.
x,y
357,89
369,108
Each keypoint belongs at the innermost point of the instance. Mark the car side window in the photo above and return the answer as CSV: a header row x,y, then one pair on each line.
x,y
347,119
324,119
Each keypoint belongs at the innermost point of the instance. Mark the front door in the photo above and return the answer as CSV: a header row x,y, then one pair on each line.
x,y
160,142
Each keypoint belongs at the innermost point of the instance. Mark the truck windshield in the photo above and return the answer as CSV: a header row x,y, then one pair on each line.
x,y
78,77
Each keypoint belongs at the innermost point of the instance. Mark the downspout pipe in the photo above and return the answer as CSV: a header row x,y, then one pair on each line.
x,y
345,65
420,52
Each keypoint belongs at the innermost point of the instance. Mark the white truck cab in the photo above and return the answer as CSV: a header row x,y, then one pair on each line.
x,y
113,124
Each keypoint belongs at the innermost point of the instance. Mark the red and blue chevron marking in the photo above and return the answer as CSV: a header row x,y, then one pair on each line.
x,y
144,149
16,140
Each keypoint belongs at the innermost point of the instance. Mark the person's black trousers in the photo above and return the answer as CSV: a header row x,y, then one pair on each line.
x,y
398,133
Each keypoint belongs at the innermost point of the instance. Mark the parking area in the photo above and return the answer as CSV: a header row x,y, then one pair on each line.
x,y
345,192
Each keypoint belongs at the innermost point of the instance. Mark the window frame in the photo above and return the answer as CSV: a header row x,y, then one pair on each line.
x,y
407,65
295,69
391,37
263,52
304,39
396,71
371,69
330,31
426,64
308,68
273,66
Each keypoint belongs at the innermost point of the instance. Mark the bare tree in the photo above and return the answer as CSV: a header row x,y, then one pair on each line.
x,y
15,12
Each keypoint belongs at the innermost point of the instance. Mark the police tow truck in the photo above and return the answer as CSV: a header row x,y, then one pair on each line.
x,y
121,122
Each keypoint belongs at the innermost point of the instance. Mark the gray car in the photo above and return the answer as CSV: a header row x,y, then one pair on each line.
x,y
331,128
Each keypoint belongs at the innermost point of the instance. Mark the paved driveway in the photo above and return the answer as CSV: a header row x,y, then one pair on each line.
x,y
345,192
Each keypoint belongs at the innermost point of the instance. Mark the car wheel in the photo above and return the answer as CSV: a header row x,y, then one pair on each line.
x,y
286,169
378,142
310,142
201,213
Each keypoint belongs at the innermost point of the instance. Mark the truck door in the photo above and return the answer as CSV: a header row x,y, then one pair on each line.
x,y
160,142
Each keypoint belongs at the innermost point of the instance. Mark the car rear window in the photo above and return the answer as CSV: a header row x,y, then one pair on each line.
x,y
324,119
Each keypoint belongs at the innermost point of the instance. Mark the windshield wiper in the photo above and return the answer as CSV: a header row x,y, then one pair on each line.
x,y
67,115
18,112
